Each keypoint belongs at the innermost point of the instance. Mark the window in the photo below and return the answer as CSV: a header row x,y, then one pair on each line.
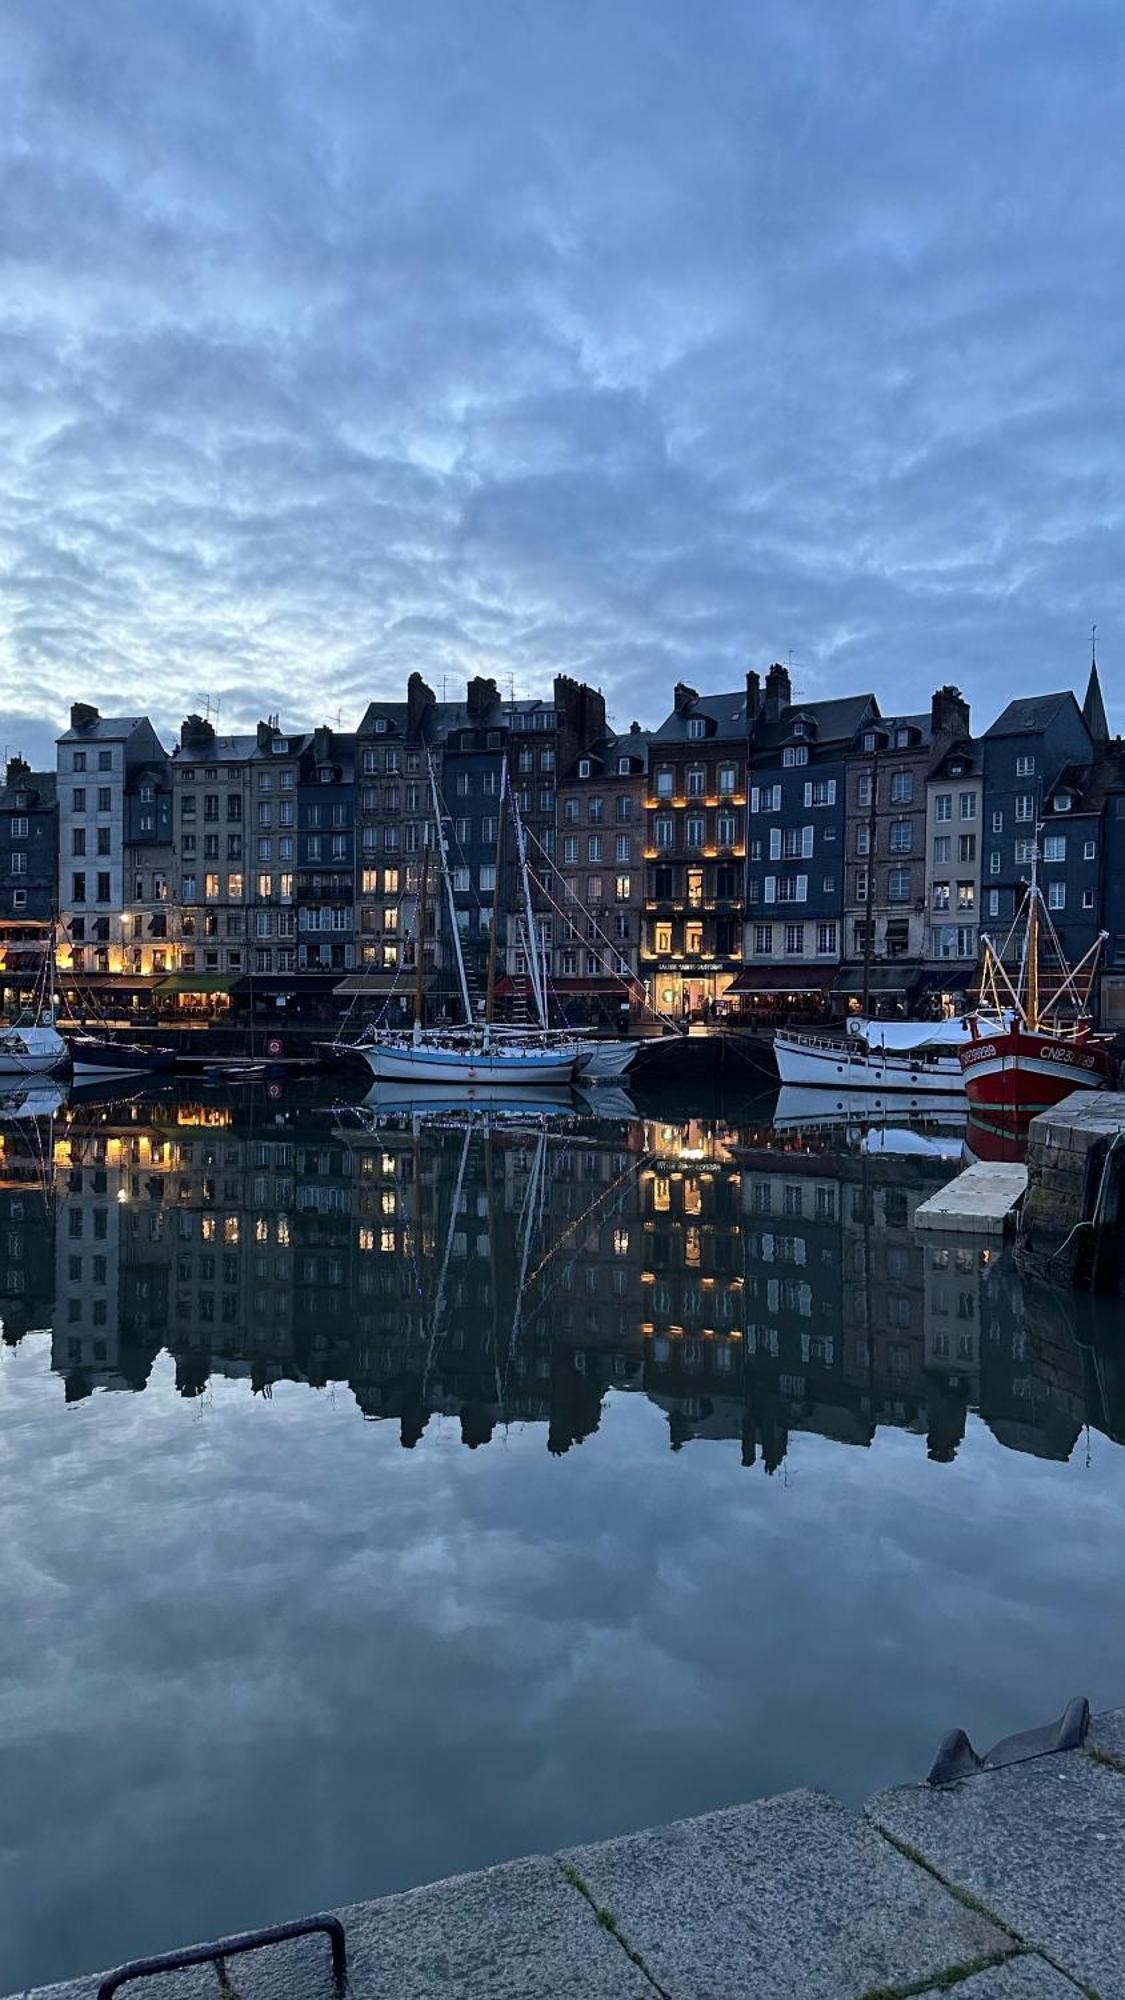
x,y
1062,802
662,937
727,779
572,812
18,862
1089,851
943,850
967,847
103,839
1025,766
902,787
1024,852
724,829
863,840
693,937
1087,899
1056,895
593,847
105,760
79,761
994,862
622,887
862,886
694,830
1054,847
966,896
585,767
763,940
595,811
870,740
19,829
997,822
943,807
794,940
940,896
826,935
570,845
796,843
696,781
696,726
623,809
903,738
1025,806
795,753
900,836
103,888
765,798
594,889
898,885
863,789
968,805
994,902
665,785
820,792
623,847
622,767
78,840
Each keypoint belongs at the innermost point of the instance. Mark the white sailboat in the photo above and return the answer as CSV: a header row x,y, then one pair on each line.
x,y
471,1054
916,1057
32,1045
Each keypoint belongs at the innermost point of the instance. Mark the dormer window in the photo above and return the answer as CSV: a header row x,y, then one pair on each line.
x,y
795,753
325,774
870,740
623,767
1062,802
585,768
147,795
381,725
903,739
696,726
23,800
280,746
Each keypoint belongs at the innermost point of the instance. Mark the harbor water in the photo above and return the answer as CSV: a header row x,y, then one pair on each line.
x,y
390,1490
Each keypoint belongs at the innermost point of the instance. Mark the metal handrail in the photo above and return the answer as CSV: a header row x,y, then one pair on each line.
x,y
230,1947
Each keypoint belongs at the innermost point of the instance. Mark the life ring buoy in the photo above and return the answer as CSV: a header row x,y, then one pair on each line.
x,y
273,1090
274,1046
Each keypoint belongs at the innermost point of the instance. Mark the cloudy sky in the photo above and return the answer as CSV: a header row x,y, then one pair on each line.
x,y
628,338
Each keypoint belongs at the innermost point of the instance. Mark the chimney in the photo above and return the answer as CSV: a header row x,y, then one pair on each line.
x,y
195,733
419,700
634,729
18,770
753,697
950,714
481,697
683,698
265,735
322,744
779,693
82,716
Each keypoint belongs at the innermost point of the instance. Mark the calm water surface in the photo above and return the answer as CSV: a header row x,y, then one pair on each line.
x,y
382,1498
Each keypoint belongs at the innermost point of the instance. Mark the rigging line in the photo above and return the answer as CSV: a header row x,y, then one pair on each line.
x,y
632,1172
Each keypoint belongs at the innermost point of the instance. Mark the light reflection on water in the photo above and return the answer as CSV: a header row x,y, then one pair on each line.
x,y
772,1492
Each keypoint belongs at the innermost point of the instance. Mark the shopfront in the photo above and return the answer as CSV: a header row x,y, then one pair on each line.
x,y
689,988
776,996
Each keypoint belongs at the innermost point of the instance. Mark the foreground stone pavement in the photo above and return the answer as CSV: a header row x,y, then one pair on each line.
x,y
1007,1886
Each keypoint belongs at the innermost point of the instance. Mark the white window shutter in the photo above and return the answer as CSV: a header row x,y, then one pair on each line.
x,y
802,895
770,891
775,843
755,798
806,843
831,791
808,791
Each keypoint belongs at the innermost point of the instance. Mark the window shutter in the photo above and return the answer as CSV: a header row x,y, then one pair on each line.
x,y
802,895
808,791
755,798
770,895
806,843
775,843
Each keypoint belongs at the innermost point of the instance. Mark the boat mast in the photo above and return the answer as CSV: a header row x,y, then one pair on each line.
x,y
868,922
1031,1005
443,861
538,987
420,944
490,992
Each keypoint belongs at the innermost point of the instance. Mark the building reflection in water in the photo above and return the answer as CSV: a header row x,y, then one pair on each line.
x,y
753,1279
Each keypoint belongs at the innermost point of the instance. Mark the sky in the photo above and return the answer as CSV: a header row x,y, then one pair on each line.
x,y
631,339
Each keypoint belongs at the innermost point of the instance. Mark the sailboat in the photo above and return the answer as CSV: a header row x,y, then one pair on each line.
x,y
1035,1056
469,1054
32,1045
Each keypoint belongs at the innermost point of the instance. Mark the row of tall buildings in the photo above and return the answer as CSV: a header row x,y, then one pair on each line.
x,y
754,852
752,1283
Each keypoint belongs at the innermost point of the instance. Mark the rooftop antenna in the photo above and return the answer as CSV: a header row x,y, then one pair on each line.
x,y
210,702
444,682
1093,649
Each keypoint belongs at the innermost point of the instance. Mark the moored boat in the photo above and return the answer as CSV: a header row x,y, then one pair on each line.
x,y
922,1060
95,1055
1040,1050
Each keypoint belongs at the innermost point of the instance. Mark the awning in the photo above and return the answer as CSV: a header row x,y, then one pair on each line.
x,y
783,979
607,984
194,982
952,979
881,978
268,984
377,983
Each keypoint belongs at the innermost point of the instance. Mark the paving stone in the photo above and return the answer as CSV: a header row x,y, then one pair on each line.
x,y
794,1898
1107,1733
1023,1978
518,1932
1041,1845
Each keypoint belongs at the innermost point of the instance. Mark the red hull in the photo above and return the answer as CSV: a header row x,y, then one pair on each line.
x,y
1022,1072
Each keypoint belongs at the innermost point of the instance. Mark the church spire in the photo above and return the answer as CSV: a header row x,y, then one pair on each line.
x,y
1093,708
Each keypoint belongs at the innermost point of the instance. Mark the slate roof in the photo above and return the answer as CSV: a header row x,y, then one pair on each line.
x,y
40,787
107,729
836,720
1029,713
727,711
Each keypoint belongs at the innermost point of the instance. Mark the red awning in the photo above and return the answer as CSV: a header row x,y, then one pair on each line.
x,y
783,979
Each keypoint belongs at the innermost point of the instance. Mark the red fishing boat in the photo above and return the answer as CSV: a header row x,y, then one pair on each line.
x,y
1046,1047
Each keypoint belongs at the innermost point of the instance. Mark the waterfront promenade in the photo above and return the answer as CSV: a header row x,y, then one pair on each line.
x,y
1005,1886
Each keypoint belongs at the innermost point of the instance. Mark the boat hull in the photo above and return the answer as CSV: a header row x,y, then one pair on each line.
x,y
1024,1072
399,1062
32,1052
605,1062
802,1060
103,1057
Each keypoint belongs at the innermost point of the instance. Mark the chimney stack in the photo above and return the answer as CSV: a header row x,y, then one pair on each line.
x,y
779,692
482,697
419,700
82,716
950,714
196,733
684,697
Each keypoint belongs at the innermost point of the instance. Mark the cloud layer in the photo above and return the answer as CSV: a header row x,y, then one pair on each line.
x,y
626,339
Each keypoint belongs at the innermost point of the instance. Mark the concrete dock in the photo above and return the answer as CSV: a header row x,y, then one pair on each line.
x,y
982,1201
1004,1886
